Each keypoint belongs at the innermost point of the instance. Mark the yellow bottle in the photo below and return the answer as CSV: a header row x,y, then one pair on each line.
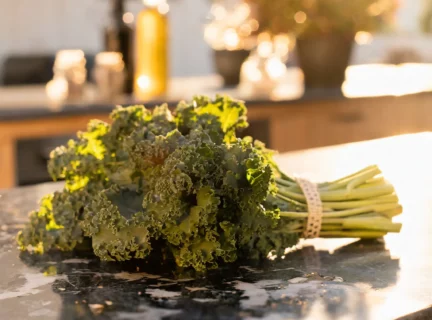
x,y
151,75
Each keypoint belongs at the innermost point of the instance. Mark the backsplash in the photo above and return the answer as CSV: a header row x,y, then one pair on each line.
x,y
65,24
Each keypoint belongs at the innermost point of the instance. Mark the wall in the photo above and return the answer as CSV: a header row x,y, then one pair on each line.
x,y
45,26
407,36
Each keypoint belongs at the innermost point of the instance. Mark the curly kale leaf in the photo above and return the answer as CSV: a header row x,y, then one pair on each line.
x,y
81,160
208,200
124,121
248,181
275,241
117,225
192,166
220,118
133,129
184,202
56,224
148,150
162,122
104,151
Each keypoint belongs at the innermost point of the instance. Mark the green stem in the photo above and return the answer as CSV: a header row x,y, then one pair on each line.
x,y
364,234
285,177
377,181
341,220
341,183
360,205
333,227
355,204
344,213
363,178
356,180
344,182
285,183
342,195
294,215
291,201
355,174
379,224
393,212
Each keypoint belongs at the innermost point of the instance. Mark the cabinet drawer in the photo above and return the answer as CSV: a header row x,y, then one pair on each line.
x,y
324,126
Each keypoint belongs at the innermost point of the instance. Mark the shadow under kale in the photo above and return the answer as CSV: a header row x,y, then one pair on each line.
x,y
363,261
152,289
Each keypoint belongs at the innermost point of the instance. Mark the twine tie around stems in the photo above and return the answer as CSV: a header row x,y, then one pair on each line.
x,y
315,209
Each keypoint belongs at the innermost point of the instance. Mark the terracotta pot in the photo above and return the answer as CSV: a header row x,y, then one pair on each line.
x,y
228,64
324,60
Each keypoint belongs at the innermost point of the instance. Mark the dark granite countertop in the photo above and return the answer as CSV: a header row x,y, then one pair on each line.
x,y
41,108
319,279
43,111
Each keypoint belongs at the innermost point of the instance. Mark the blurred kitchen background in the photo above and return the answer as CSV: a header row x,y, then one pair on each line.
x,y
313,73
46,26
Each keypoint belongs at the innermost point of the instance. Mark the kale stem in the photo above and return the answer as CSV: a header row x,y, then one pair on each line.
x,y
291,201
378,224
341,220
356,211
364,234
355,204
354,174
348,177
294,215
392,212
352,225
355,180
328,227
363,178
373,182
283,175
344,213
285,183
342,195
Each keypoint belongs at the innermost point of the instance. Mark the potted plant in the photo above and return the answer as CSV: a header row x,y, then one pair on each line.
x,y
324,32
230,32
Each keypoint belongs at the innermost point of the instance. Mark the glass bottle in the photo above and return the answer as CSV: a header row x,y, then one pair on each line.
x,y
151,76
119,37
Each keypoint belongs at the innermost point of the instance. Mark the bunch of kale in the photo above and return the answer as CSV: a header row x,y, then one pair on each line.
x,y
181,180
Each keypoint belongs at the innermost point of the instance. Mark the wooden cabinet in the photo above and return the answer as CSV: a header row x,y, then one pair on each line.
x,y
300,126
285,126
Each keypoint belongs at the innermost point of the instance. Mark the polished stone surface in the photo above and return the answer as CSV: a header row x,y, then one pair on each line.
x,y
319,279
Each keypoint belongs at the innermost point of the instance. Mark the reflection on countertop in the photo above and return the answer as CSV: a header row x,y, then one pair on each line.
x,y
318,279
